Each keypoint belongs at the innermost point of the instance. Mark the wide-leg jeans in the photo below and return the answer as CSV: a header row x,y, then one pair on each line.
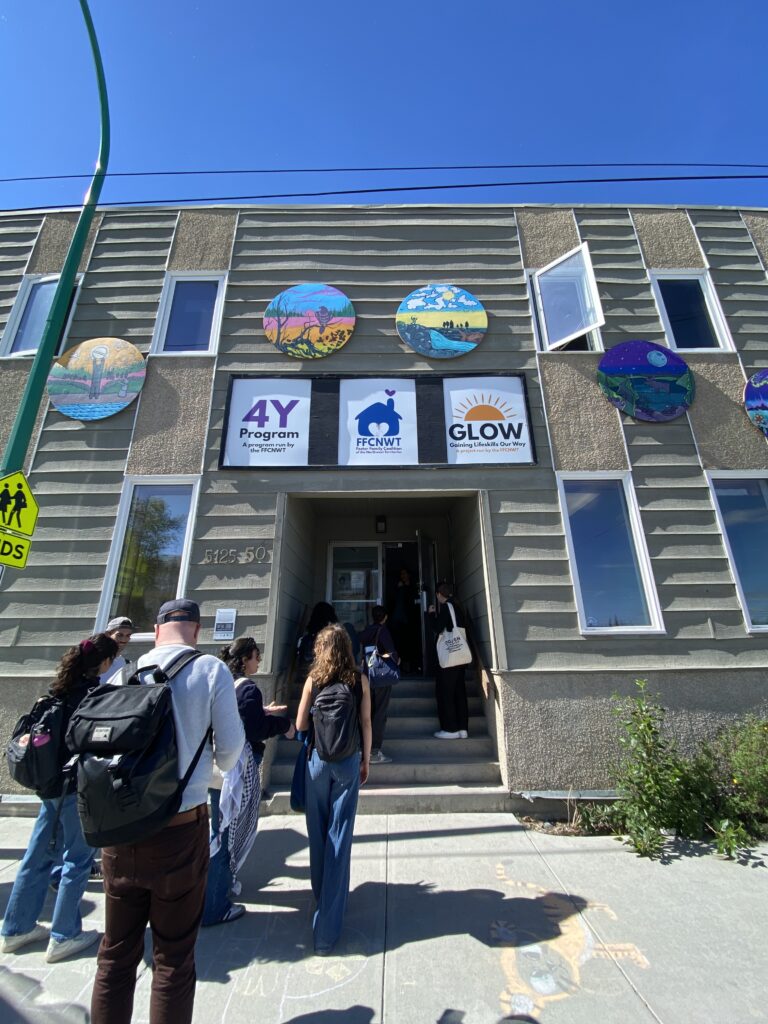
x,y
332,790
31,885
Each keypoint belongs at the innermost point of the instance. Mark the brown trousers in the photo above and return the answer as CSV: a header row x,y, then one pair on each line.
x,y
160,882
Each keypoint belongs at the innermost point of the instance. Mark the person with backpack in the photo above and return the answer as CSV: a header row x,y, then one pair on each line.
x,y
377,637
160,880
336,705
236,795
323,614
77,674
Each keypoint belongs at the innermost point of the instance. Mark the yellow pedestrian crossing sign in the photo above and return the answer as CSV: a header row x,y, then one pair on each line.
x,y
13,550
18,507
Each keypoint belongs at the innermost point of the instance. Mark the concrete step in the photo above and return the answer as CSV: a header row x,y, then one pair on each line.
x,y
415,747
379,798
446,772
409,706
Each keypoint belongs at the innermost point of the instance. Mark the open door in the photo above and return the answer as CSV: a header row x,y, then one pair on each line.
x,y
427,581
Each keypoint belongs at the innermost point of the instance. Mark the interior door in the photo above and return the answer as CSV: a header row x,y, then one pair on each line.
x,y
427,581
354,584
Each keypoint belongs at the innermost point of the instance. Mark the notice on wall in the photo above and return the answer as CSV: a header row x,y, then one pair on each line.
x,y
486,420
377,422
268,422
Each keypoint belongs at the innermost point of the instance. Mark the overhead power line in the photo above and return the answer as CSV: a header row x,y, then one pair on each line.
x,y
367,170
176,201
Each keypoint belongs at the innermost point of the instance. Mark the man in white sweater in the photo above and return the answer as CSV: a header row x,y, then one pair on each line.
x,y
161,880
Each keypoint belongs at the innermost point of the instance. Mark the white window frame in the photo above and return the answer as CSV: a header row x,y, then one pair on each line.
x,y
166,303
540,319
656,626
118,539
17,313
712,303
735,474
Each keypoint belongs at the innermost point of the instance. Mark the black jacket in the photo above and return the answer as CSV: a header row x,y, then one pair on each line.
x,y
258,725
441,619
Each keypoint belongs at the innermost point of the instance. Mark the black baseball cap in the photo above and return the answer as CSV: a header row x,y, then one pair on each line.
x,y
179,610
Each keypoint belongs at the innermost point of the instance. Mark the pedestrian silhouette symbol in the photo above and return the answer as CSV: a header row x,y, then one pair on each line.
x,y
18,507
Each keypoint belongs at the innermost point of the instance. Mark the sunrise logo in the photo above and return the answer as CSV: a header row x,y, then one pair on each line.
x,y
484,418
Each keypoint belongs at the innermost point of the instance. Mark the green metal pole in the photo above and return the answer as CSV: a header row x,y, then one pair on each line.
x,y
18,442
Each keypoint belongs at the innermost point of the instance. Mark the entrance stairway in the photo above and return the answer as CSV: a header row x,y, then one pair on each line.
x,y
426,775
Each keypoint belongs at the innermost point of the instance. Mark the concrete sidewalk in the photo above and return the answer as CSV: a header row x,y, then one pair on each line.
x,y
456,920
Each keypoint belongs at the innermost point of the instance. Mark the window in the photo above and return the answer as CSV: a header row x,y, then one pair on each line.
x,y
149,556
189,317
742,507
690,312
609,561
29,314
566,303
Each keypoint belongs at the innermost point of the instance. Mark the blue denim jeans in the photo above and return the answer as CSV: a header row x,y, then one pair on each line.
x,y
217,901
31,885
332,788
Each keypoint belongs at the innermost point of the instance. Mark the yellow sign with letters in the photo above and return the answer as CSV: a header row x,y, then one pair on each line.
x,y
18,507
13,550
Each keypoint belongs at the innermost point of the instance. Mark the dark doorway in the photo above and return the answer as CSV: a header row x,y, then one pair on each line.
x,y
402,599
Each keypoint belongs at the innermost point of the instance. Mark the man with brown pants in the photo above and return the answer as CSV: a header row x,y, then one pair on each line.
x,y
160,881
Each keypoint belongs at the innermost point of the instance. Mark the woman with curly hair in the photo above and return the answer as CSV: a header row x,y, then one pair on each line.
x,y
236,794
333,785
77,674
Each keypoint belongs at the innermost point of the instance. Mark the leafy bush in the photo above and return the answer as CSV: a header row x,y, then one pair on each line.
x,y
721,791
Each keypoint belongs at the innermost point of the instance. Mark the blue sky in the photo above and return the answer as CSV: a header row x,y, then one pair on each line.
x,y
238,84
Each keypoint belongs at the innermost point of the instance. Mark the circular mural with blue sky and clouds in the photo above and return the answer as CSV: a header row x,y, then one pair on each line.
x,y
441,321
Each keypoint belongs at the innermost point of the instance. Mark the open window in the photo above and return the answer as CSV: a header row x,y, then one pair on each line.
x,y
150,550
567,307
611,570
189,316
741,502
689,310
24,330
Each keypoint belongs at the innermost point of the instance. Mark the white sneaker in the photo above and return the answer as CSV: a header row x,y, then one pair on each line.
x,y
441,734
463,734
379,757
61,950
13,942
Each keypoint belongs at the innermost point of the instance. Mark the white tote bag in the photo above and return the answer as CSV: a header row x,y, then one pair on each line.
x,y
452,647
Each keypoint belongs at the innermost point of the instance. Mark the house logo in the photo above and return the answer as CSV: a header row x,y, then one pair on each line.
x,y
378,425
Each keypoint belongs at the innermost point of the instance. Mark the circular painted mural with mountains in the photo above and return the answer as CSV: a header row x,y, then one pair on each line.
x,y
441,321
756,399
646,381
96,378
309,321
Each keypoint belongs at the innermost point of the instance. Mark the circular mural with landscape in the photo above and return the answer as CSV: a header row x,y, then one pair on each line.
x,y
646,381
756,399
96,378
441,321
309,321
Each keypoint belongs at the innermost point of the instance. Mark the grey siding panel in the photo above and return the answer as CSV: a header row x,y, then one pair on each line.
x,y
739,279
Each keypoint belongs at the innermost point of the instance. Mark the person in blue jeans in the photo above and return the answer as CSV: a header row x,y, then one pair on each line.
x,y
332,787
57,832
234,825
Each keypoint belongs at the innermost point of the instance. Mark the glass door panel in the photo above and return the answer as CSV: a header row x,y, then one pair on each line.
x,y
355,582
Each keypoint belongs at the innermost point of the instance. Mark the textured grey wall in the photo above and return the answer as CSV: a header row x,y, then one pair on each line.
x,y
667,239
172,420
545,235
203,240
724,434
584,428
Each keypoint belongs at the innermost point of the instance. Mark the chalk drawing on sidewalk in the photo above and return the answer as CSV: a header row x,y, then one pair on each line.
x,y
542,971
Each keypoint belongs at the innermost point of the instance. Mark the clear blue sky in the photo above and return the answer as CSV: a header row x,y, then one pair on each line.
x,y
246,84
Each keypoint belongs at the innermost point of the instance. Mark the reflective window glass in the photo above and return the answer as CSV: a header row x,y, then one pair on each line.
x,y
607,564
191,316
568,303
153,546
744,510
36,310
687,313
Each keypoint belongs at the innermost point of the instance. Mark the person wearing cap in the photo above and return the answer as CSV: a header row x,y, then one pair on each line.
x,y
161,880
121,630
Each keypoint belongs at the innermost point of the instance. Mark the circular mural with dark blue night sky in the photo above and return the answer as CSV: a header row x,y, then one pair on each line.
x,y
756,400
646,381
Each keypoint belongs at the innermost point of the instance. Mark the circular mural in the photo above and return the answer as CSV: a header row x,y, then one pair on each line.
x,y
309,321
646,381
756,399
96,378
441,321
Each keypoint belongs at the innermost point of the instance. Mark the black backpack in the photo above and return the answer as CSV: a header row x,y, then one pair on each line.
x,y
124,737
336,722
36,752
307,648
